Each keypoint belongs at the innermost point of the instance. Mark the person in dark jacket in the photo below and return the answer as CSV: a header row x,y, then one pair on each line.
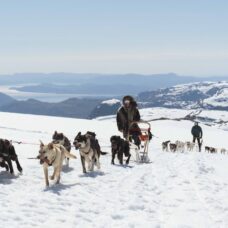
x,y
126,115
197,134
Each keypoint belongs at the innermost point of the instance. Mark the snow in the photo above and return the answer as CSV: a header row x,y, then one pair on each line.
x,y
220,99
201,86
219,119
174,190
111,102
215,92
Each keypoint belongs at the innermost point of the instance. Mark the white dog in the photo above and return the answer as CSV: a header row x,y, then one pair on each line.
x,y
190,146
180,146
53,155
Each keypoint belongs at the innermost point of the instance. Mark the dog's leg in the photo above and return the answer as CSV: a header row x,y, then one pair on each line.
x,y
19,168
46,176
92,164
83,164
10,165
113,157
120,157
67,161
52,177
58,173
4,165
98,162
128,159
7,167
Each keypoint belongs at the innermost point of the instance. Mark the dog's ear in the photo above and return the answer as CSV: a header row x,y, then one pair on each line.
x,y
87,136
41,144
50,146
7,143
79,133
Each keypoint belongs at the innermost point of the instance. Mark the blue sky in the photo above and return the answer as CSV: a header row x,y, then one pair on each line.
x,y
189,37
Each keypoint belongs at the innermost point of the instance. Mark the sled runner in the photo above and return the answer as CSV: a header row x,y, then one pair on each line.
x,y
139,137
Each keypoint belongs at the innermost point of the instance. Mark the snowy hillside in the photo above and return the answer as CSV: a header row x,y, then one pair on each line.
x,y
105,108
203,95
218,119
208,95
174,190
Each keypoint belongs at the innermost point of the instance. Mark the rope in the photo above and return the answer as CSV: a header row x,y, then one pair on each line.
x,y
25,143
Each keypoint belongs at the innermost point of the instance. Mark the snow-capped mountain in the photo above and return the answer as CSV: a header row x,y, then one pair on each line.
x,y
105,108
203,95
207,95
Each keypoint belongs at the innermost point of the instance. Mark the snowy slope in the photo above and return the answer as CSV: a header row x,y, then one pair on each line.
x,y
174,190
203,95
218,119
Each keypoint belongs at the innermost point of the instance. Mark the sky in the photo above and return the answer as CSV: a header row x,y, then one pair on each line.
x,y
188,37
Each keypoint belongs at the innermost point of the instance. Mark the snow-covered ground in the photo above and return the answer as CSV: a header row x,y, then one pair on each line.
x,y
174,190
218,119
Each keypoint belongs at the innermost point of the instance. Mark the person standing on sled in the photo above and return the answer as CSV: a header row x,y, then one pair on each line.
x,y
197,134
126,115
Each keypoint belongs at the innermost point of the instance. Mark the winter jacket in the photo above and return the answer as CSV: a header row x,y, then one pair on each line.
x,y
125,117
197,131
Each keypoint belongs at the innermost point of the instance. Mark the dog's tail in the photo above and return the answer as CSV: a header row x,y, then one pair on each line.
x,y
104,153
67,153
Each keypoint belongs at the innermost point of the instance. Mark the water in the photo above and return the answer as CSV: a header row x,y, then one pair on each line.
x,y
47,97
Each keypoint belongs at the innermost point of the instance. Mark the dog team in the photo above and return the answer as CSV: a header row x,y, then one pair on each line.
x,y
54,153
197,134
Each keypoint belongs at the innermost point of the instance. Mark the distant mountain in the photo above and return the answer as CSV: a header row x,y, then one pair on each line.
x,y
75,108
5,99
98,83
207,95
105,108
86,89
204,95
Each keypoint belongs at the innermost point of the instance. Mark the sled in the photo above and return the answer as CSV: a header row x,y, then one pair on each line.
x,y
140,153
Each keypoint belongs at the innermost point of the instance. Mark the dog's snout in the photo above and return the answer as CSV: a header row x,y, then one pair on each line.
x,y
77,145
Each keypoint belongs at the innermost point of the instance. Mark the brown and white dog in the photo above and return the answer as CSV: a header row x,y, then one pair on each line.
x,y
53,155
89,151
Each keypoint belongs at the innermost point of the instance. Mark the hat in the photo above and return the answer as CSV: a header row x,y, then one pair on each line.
x,y
127,98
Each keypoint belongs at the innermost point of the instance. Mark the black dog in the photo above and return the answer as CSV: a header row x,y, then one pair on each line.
x,y
7,155
120,147
61,139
